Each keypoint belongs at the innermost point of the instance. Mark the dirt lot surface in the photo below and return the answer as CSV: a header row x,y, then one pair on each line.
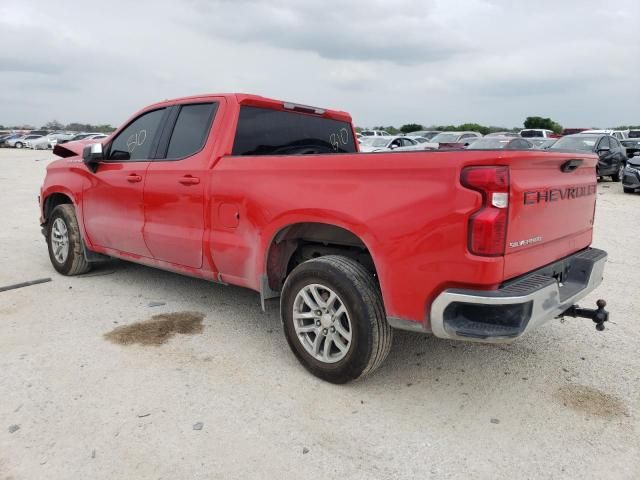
x,y
209,389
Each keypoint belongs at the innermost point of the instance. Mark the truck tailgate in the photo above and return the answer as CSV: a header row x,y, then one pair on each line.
x,y
551,209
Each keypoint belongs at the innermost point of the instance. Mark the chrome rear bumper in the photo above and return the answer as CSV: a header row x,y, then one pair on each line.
x,y
519,305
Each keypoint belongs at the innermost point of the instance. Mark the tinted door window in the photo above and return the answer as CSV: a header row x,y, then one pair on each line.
x,y
134,142
604,143
263,131
191,130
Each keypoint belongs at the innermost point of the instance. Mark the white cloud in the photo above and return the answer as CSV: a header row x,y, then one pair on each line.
x,y
429,61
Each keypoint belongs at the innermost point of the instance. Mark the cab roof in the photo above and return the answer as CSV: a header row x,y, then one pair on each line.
x,y
262,102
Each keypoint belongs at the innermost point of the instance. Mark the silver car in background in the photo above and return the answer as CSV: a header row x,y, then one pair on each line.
x,y
21,142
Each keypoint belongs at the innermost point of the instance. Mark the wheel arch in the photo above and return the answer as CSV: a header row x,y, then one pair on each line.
x,y
52,200
311,238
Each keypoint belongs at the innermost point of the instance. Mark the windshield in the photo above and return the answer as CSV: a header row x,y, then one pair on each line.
x,y
445,138
631,143
489,143
583,143
366,140
367,133
378,142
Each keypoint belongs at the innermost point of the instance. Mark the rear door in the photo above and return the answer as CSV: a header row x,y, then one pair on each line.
x,y
113,210
174,191
551,209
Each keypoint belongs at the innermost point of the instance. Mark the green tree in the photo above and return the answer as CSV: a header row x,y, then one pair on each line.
x,y
53,125
473,127
542,122
411,127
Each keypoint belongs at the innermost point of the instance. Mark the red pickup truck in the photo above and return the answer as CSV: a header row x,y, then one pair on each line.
x,y
274,196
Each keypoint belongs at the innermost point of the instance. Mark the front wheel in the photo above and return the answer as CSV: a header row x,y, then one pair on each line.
x,y
65,242
19,145
334,319
628,190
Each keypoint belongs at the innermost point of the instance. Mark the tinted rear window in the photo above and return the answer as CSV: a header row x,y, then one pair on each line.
x,y
263,131
531,133
191,129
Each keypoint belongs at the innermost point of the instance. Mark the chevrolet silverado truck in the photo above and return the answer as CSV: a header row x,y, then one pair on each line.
x,y
475,245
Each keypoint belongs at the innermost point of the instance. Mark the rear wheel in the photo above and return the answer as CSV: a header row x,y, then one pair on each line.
x,y
618,175
334,320
65,242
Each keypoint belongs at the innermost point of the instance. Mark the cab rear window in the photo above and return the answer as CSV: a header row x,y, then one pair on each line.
x,y
263,131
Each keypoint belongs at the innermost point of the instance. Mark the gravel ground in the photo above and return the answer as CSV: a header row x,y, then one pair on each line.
x,y
227,399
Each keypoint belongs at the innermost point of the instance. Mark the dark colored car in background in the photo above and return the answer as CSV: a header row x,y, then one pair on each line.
x,y
573,131
631,176
631,145
79,136
612,156
499,143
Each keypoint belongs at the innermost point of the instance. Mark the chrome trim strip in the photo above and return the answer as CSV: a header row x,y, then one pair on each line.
x,y
546,305
407,325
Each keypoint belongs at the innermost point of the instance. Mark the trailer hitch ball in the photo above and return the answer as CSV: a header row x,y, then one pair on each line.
x,y
598,315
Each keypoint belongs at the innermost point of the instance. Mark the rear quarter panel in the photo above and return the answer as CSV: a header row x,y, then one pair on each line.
x,y
408,208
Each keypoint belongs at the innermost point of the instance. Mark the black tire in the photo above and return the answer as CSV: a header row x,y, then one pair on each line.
x,y
628,190
75,262
618,176
19,145
371,335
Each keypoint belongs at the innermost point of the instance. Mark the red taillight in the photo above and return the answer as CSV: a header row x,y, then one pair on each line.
x,y
488,226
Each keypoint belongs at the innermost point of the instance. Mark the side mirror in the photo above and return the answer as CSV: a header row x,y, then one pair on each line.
x,y
92,155
393,146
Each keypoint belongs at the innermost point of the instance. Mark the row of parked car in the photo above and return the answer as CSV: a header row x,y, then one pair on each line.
x,y
618,151
41,140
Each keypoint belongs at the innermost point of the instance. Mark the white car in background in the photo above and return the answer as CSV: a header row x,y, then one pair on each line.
x,y
48,141
537,133
41,143
619,134
374,133
384,144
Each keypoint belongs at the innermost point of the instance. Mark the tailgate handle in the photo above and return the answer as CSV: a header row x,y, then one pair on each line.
x,y
570,165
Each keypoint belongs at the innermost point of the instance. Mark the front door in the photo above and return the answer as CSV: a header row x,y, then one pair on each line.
x,y
174,189
113,208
